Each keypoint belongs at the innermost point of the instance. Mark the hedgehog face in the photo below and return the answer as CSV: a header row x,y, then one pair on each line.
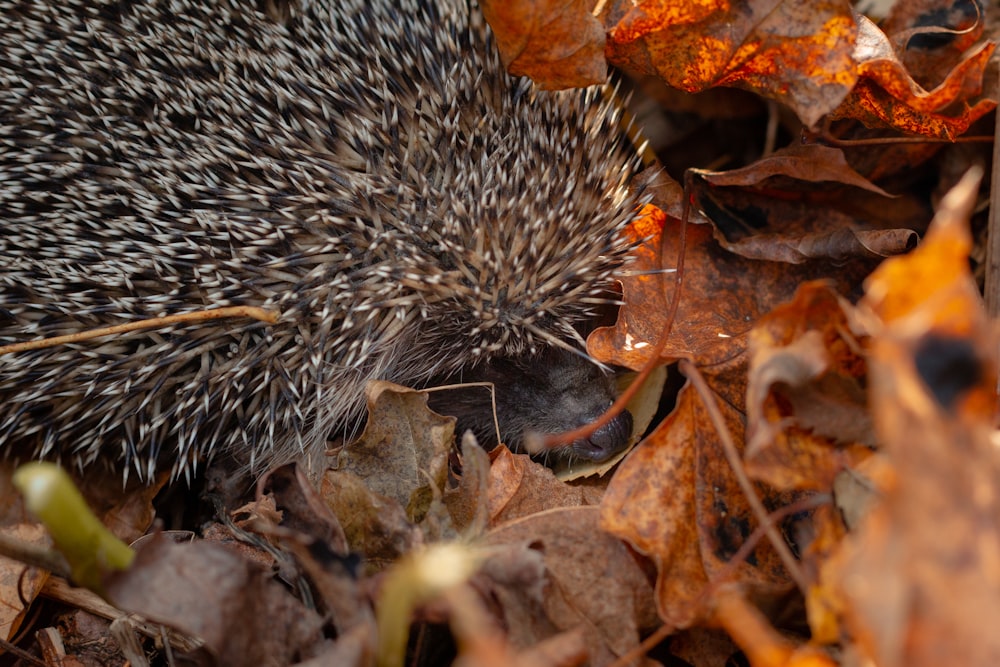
x,y
549,393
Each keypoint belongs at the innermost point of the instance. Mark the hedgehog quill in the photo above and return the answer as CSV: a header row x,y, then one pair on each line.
x,y
364,169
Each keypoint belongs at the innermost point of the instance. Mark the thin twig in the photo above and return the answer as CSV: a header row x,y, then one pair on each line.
x,y
149,323
34,555
655,356
831,140
992,288
722,576
771,134
729,448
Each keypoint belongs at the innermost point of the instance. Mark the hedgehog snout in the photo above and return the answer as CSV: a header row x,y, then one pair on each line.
x,y
550,393
606,441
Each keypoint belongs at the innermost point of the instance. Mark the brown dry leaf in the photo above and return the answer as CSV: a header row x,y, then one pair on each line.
x,y
642,18
878,62
513,574
650,504
806,402
352,649
302,508
593,579
499,618
558,43
919,581
675,500
794,227
388,485
467,500
761,643
403,453
710,320
930,36
374,525
127,512
519,486
703,647
822,603
793,206
722,296
840,244
887,96
802,162
932,284
798,53
856,490
309,530
566,649
207,591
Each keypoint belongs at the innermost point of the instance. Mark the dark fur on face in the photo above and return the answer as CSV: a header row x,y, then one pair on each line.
x,y
554,392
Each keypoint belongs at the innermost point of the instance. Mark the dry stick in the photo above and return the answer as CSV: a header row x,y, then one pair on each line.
x,y
692,373
150,323
722,576
772,519
992,288
771,134
58,589
906,140
825,137
645,646
33,555
21,653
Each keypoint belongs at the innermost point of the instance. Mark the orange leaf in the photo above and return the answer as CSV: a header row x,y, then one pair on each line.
x,y
559,44
919,580
806,393
887,95
808,162
798,53
722,296
933,281
675,500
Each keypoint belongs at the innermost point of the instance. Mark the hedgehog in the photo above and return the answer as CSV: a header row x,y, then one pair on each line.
x,y
364,169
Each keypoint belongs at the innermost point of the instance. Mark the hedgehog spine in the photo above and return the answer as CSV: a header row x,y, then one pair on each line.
x,y
407,208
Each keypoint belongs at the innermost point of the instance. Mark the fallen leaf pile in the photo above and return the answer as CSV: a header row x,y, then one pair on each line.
x,y
822,484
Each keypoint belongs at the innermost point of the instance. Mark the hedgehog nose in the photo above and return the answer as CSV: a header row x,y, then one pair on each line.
x,y
606,441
